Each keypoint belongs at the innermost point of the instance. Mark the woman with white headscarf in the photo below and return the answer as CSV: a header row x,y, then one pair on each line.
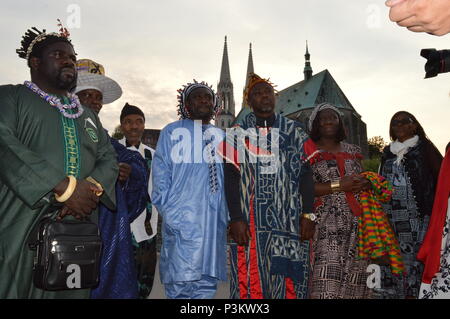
x,y
411,163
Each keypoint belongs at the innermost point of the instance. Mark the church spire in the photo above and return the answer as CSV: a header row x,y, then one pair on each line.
x,y
307,71
225,92
225,71
250,69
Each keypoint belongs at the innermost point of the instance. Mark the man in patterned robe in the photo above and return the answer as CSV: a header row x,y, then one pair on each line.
x,y
268,186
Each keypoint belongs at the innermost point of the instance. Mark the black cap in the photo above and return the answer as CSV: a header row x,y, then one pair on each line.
x,y
130,109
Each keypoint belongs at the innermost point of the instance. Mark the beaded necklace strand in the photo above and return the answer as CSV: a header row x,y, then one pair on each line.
x,y
56,102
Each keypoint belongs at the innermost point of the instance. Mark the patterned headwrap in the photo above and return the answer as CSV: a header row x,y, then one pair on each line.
x,y
187,89
321,107
252,81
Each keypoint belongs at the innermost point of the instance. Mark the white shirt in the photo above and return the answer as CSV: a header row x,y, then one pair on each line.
x,y
138,225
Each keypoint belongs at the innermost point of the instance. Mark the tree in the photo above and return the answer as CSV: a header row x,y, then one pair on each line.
x,y
117,134
376,146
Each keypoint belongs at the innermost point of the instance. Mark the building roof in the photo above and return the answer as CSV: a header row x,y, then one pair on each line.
x,y
306,94
320,88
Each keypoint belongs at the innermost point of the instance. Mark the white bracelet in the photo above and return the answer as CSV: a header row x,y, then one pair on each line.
x,y
69,190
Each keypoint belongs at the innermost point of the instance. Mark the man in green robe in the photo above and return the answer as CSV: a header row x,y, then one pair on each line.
x,y
41,144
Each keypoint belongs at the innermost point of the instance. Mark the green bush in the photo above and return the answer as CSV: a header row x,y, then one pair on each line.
x,y
371,165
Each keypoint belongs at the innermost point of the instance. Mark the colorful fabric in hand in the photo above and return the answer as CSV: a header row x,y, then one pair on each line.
x,y
376,236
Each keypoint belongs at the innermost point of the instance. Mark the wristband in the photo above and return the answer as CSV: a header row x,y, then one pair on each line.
x,y
93,181
335,186
69,190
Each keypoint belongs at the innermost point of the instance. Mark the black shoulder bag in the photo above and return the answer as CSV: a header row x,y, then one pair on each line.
x,y
67,253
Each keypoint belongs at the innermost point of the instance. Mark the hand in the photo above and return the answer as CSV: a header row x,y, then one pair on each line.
x,y
307,228
65,211
364,184
124,172
367,185
83,200
350,183
240,232
432,16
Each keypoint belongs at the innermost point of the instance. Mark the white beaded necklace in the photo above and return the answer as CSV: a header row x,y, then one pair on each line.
x,y
54,101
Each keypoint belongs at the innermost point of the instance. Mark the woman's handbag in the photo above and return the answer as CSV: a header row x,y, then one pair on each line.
x,y
67,254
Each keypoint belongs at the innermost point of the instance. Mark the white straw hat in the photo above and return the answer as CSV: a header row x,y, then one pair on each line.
x,y
91,75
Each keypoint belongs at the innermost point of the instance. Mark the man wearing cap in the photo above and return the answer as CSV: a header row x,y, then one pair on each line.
x,y
268,186
144,227
118,278
188,193
49,146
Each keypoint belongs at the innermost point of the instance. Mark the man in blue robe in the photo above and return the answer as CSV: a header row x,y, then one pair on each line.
x,y
188,191
118,278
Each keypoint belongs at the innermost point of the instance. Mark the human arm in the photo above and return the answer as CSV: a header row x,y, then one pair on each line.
x,y
349,183
433,160
239,230
135,186
106,168
124,172
162,172
307,226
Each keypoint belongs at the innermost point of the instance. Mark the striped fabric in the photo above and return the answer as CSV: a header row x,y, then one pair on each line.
x,y
376,236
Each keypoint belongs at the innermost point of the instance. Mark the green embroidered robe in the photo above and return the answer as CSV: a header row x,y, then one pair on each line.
x,y
34,157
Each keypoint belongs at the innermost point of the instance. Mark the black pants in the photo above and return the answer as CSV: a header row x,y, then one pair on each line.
x,y
145,257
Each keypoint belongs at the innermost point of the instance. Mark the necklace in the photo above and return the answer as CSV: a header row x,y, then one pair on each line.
x,y
56,102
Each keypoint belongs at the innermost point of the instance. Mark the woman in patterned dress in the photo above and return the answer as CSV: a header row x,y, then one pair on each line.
x,y
411,164
336,271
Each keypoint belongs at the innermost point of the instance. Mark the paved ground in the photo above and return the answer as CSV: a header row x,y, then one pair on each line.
x,y
223,289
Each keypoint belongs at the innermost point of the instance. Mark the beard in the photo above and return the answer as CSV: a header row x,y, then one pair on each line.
x,y
66,83
62,81
202,115
265,109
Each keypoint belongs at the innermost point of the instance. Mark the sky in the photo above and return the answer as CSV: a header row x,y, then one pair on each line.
x,y
151,48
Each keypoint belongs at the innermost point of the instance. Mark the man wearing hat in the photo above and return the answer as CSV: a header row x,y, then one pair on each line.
x,y
50,146
189,195
144,228
118,269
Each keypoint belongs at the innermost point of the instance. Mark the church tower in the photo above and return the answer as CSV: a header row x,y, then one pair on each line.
x,y
307,71
225,93
250,69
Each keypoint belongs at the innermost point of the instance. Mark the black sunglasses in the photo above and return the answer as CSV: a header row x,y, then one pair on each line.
x,y
402,122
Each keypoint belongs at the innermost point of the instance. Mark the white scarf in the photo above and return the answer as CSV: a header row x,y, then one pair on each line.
x,y
400,149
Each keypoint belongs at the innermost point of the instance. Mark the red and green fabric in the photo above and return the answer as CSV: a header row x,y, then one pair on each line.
x,y
376,236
